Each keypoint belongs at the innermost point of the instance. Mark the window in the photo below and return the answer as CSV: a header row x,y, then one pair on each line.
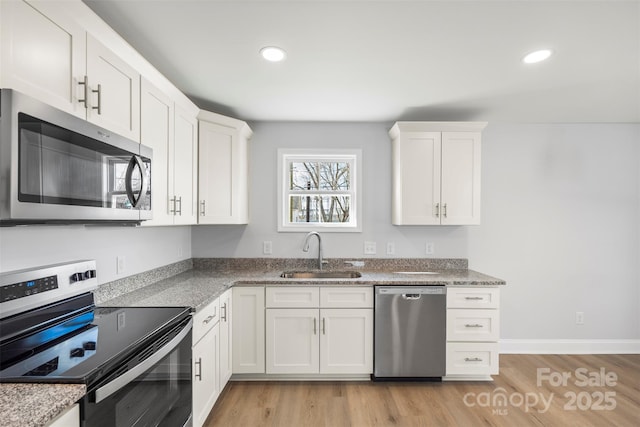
x,y
318,190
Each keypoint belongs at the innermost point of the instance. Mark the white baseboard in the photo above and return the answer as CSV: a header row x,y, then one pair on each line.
x,y
510,346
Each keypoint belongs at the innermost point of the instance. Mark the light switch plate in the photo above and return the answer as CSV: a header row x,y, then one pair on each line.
x,y
430,248
267,247
391,248
369,248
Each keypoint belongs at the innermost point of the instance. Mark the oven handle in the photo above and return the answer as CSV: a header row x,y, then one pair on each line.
x,y
133,373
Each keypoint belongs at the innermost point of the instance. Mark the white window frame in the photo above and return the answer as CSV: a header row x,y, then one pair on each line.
x,y
353,156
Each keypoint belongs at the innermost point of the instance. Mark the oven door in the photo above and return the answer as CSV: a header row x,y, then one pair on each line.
x,y
154,392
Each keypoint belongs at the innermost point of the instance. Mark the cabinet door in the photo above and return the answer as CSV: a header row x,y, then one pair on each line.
x,y
460,178
43,53
156,131
222,175
225,338
346,341
206,381
248,330
69,418
416,175
292,341
185,170
114,91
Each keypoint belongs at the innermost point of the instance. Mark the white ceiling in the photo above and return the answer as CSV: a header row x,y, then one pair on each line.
x,y
356,60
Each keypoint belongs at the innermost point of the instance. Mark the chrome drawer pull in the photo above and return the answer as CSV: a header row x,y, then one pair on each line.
x,y
473,298
472,359
475,325
198,376
208,319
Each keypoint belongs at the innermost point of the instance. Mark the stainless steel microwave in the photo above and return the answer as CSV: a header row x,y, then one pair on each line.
x,y
56,168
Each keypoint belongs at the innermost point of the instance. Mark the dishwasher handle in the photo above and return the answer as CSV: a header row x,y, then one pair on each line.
x,y
411,297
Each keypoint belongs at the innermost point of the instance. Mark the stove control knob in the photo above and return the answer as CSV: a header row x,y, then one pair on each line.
x,y
77,352
89,345
76,277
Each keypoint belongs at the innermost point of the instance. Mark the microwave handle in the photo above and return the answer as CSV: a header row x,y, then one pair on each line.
x,y
136,199
133,373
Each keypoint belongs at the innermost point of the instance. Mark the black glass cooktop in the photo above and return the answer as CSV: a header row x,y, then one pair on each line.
x,y
84,346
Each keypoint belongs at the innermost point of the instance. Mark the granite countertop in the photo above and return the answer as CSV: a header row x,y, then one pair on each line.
x,y
197,288
34,405
198,283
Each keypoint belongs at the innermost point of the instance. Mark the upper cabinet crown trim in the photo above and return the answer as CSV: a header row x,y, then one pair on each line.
x,y
436,127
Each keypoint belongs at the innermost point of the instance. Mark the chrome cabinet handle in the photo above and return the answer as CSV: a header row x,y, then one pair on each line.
x,y
437,210
198,375
136,200
472,359
202,208
208,319
99,92
324,326
473,298
475,325
177,205
224,315
85,83
172,202
444,210
315,329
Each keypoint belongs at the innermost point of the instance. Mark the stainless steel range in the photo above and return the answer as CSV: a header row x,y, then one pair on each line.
x,y
135,361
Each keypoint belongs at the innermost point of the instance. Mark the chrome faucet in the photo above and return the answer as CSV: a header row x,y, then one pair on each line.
x,y
305,246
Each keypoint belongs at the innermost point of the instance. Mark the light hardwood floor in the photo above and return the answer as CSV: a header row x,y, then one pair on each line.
x,y
363,404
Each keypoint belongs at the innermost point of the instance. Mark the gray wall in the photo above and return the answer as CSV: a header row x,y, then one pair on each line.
x,y
143,248
561,223
560,220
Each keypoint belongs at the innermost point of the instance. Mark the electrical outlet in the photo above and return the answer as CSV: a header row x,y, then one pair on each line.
x,y
579,318
369,248
120,264
267,247
391,248
430,248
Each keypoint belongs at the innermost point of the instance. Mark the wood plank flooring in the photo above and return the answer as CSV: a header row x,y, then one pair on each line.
x,y
519,396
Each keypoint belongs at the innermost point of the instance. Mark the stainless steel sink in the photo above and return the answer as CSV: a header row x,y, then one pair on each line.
x,y
321,274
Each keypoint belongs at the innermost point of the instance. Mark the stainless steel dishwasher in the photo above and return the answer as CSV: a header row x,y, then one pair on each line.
x,y
410,332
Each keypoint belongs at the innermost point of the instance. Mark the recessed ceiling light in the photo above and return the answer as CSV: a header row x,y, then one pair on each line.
x,y
537,56
273,53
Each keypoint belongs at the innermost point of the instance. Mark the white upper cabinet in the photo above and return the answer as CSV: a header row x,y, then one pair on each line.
x,y
112,91
185,166
436,173
43,53
157,132
223,188
48,55
171,132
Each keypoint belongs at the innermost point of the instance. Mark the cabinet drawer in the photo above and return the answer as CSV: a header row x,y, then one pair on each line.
x,y
472,325
292,297
473,297
204,320
472,359
346,297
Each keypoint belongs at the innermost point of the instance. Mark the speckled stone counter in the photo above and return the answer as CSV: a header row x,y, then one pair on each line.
x,y
34,405
211,277
195,283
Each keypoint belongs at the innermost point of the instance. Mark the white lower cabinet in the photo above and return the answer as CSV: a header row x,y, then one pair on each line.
x,y
473,330
69,418
211,355
206,377
248,330
312,339
226,348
